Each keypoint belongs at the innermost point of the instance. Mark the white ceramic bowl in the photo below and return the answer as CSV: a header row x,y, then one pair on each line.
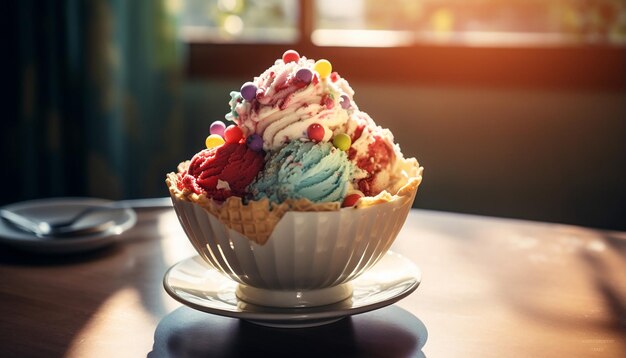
x,y
309,258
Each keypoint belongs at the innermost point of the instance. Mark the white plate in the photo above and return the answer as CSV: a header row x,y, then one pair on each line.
x,y
60,209
199,286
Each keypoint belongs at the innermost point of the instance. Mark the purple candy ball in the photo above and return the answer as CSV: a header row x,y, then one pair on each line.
x,y
345,101
217,127
305,75
248,91
255,142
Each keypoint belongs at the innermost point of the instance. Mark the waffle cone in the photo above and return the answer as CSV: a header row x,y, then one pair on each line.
x,y
257,219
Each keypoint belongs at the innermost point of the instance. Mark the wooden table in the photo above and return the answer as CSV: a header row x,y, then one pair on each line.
x,y
490,288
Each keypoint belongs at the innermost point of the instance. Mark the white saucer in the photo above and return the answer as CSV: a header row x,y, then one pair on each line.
x,y
59,209
199,286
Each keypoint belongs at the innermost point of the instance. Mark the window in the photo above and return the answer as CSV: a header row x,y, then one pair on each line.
x,y
532,43
469,22
240,21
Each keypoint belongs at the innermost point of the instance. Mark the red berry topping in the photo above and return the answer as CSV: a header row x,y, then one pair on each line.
x,y
334,76
328,102
315,132
232,134
350,200
291,56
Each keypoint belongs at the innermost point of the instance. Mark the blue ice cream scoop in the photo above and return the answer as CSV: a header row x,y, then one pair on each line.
x,y
316,171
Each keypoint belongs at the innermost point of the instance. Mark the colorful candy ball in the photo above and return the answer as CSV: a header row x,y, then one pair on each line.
x,y
255,142
345,101
248,91
342,141
350,200
305,75
233,134
315,132
217,127
213,141
323,68
291,56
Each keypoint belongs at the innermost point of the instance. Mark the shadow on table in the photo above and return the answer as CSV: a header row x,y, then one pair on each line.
x,y
607,269
388,332
15,257
135,262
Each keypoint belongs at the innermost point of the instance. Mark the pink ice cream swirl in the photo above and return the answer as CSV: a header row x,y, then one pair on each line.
x,y
281,104
286,103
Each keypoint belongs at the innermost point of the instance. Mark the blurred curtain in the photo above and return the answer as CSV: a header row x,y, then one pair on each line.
x,y
94,108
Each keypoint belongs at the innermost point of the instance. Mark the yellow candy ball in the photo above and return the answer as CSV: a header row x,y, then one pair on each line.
x,y
214,140
323,68
342,141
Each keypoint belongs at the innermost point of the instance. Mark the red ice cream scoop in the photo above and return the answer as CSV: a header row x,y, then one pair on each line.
x,y
376,162
222,171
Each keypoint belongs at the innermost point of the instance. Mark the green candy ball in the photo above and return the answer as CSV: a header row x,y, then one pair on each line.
x,y
342,141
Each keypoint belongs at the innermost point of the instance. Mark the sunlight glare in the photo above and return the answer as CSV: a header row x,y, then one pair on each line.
x,y
175,244
233,24
229,5
442,21
122,310
358,38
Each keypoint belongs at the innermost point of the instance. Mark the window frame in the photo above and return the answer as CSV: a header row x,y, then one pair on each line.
x,y
598,67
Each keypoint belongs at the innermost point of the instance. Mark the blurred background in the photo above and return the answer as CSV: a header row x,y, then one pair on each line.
x,y
516,108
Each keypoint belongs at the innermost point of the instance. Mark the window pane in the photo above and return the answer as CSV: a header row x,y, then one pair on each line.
x,y
469,22
239,21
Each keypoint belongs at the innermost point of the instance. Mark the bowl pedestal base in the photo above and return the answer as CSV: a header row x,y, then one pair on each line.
x,y
294,299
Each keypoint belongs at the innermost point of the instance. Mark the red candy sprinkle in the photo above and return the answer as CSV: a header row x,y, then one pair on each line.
x,y
334,76
291,56
350,200
315,132
232,134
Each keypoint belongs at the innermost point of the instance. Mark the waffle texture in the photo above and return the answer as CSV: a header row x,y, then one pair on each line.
x,y
256,220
